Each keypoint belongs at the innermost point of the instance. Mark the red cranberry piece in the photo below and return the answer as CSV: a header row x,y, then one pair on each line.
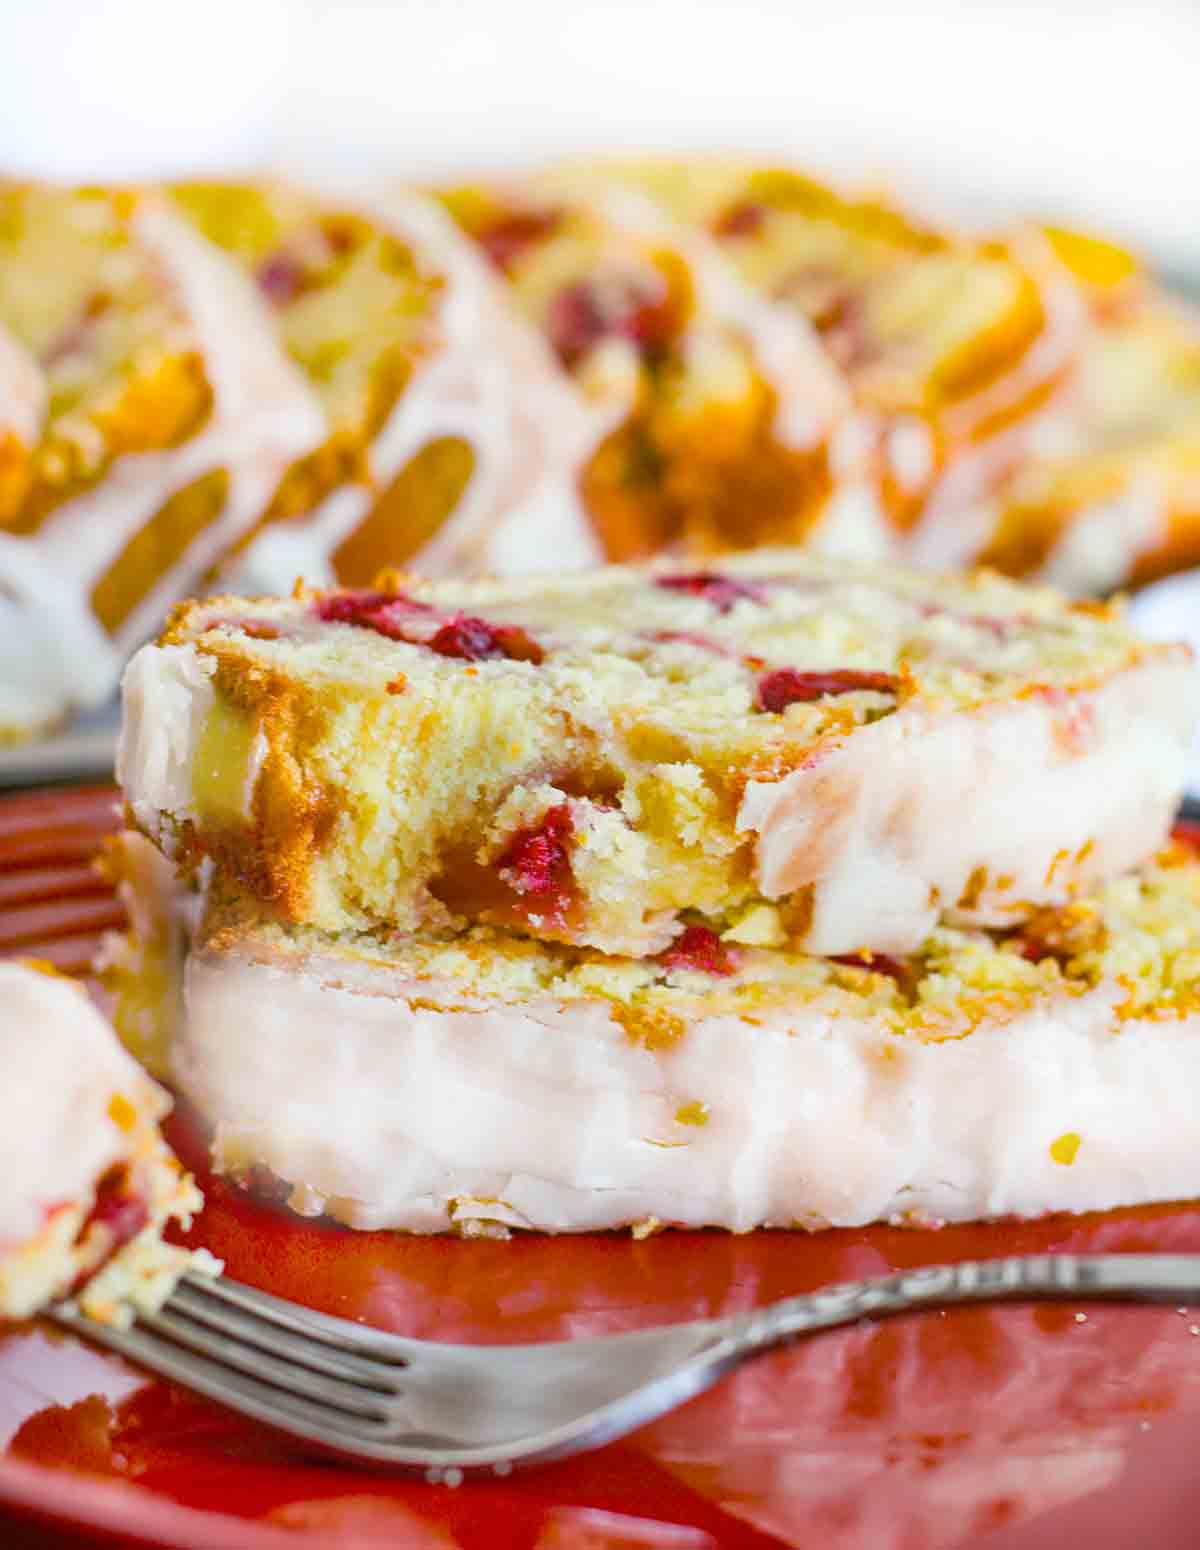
x,y
538,862
690,638
280,278
787,685
124,1214
575,323
700,948
721,591
517,645
384,612
650,323
740,220
463,636
583,314
507,237
351,607
475,639
124,1218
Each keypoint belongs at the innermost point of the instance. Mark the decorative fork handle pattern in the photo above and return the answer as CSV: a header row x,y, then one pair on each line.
x,y
1129,1277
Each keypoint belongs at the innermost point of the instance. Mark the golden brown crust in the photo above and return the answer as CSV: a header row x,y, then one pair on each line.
x,y
292,815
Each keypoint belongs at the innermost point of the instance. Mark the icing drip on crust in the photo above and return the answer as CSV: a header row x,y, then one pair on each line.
x,y
1101,548
264,415
814,408
1050,356
810,394
51,649
488,380
54,654
534,431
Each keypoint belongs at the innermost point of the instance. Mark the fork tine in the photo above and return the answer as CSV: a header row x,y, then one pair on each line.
x,y
339,1333
251,1396
218,1314
281,1373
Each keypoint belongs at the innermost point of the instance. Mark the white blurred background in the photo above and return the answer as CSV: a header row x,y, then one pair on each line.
x,y
1078,108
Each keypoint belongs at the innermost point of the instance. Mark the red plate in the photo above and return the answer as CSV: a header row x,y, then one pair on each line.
x,y
1011,1427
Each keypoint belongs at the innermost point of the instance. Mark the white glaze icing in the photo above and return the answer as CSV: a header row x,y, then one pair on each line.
x,y
54,656
53,653
62,1067
1099,547
910,454
950,537
48,641
391,1103
264,415
536,432
166,694
484,377
853,524
889,827
1050,355
811,395
959,516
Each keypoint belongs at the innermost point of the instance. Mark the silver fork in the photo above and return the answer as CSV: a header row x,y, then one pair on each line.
x,y
453,1410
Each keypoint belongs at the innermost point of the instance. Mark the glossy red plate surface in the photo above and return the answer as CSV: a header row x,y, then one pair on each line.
x,y
1012,1427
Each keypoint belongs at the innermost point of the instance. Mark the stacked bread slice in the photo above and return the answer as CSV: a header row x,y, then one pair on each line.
x,y
789,893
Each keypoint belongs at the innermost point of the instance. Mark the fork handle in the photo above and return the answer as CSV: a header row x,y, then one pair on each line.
x,y
1034,1278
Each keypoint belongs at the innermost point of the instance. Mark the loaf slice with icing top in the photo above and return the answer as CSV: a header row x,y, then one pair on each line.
x,y
711,409
791,750
482,1081
168,412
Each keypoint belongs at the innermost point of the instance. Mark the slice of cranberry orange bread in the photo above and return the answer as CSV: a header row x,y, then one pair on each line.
x,y
168,412
482,1081
711,410
443,411
794,750
89,1183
